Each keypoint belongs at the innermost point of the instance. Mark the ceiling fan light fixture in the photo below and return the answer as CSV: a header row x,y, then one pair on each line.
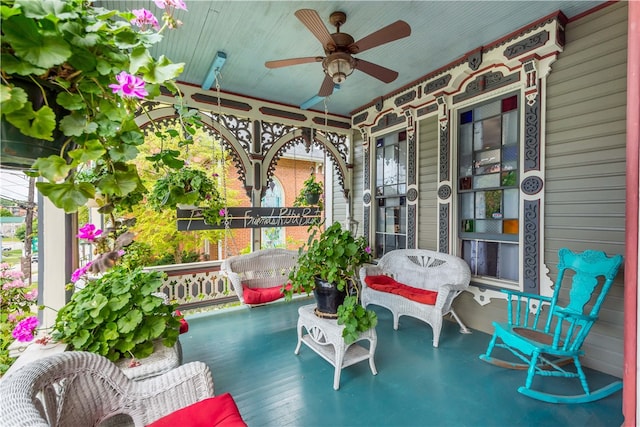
x,y
339,66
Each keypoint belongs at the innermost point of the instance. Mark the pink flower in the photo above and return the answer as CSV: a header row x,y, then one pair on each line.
x,y
177,4
14,316
129,86
222,212
80,272
23,331
368,249
32,295
144,18
89,232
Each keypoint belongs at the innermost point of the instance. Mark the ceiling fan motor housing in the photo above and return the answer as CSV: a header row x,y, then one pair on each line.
x,y
338,66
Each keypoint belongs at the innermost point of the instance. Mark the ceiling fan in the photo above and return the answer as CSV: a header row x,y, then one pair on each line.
x,y
339,47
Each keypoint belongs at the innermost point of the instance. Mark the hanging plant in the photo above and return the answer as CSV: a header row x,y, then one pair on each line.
x,y
310,194
189,186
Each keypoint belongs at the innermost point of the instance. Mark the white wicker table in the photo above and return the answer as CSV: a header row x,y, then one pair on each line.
x,y
322,334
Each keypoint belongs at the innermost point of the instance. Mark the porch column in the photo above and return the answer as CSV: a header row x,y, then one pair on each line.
x,y
55,260
631,282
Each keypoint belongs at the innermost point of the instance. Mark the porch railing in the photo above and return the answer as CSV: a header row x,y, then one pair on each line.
x,y
196,285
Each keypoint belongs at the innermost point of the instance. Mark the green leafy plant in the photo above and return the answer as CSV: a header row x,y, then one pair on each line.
x,y
310,193
335,256
188,186
118,315
96,65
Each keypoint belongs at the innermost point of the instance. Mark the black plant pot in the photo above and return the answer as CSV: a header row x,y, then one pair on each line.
x,y
312,198
19,151
328,297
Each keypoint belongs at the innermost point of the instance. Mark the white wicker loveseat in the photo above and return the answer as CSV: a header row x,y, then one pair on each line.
x,y
416,282
77,388
258,277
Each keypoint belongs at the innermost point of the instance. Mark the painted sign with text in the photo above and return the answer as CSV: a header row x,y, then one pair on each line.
x,y
247,217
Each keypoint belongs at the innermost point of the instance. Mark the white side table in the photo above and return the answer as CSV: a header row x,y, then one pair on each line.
x,y
322,334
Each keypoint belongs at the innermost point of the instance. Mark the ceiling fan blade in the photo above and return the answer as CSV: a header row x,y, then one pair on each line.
x,y
313,22
391,32
374,70
292,61
327,86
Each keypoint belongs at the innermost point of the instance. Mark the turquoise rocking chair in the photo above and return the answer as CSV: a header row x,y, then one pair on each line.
x,y
548,346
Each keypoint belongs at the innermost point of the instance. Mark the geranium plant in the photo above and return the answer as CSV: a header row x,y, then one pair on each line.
x,y
117,315
335,255
95,64
17,319
108,248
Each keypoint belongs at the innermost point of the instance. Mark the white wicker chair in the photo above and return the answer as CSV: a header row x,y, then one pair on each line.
x,y
77,388
424,269
265,268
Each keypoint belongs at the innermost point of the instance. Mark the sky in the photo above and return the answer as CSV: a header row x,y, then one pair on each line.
x,y
13,185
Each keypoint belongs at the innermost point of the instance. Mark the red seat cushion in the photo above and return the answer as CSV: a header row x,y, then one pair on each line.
x,y
261,295
388,284
379,280
215,411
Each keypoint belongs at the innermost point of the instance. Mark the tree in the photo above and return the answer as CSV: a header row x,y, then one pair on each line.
x,y
5,212
159,229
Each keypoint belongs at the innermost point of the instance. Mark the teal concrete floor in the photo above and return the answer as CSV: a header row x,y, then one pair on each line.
x,y
250,353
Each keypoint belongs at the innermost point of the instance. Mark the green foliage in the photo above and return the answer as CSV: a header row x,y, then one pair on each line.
x,y
355,318
335,256
5,212
118,315
21,232
170,258
188,186
138,254
71,52
310,188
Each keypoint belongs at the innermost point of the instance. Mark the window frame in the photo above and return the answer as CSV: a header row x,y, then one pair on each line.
x,y
474,237
399,136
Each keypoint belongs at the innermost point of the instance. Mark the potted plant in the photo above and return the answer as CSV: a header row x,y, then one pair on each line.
x,y
327,265
118,315
116,310
188,188
96,65
309,193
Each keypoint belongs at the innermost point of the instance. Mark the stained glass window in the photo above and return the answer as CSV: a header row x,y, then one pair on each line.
x,y
488,166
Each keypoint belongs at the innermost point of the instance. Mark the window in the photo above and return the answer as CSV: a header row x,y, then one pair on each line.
x,y
272,237
488,192
391,188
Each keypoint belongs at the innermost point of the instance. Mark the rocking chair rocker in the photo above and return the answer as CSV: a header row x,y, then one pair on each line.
x,y
547,349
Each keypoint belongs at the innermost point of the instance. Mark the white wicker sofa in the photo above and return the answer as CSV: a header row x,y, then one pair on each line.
x,y
258,277
416,282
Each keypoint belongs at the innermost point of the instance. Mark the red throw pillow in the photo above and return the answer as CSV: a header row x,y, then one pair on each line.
x,y
219,411
261,295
